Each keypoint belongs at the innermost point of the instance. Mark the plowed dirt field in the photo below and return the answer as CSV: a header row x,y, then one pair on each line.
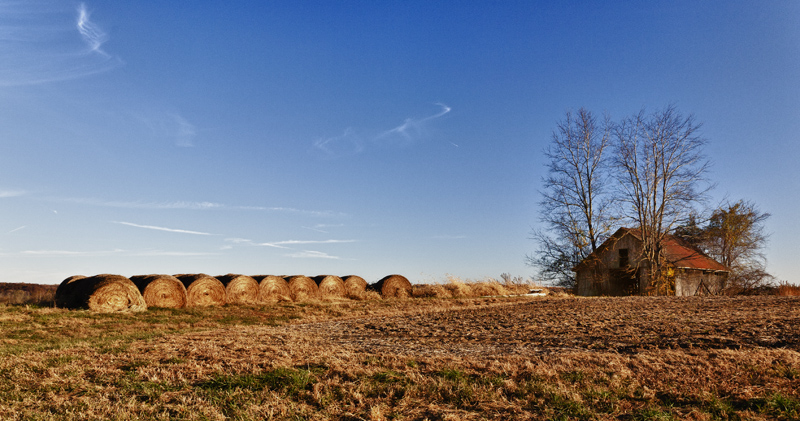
x,y
544,326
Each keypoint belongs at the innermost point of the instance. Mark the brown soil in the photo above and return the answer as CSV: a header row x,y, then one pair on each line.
x,y
544,326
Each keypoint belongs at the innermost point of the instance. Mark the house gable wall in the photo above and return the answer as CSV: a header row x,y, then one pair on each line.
x,y
601,274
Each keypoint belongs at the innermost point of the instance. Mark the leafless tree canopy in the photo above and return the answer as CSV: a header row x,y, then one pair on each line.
x,y
573,207
661,171
650,167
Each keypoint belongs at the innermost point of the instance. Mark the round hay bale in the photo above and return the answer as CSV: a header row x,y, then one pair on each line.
x,y
64,292
355,287
273,289
240,289
302,288
394,286
105,294
330,286
203,290
164,291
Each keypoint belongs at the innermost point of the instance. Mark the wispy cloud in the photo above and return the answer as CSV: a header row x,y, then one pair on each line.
x,y
170,126
151,227
317,213
156,253
185,132
45,43
196,206
311,254
142,205
412,127
17,229
92,34
297,242
248,242
115,252
285,243
351,143
11,193
348,143
322,228
70,253
448,237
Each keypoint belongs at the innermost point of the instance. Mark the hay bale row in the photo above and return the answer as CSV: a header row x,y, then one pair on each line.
x,y
272,289
203,290
161,290
393,286
302,288
101,293
330,286
355,287
240,289
112,293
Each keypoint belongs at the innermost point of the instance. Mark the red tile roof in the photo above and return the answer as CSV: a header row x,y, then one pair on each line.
x,y
676,251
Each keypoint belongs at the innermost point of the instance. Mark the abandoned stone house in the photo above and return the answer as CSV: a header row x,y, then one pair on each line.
x,y
615,268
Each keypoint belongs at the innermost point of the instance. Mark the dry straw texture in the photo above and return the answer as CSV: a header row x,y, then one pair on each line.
x,y
161,290
330,286
495,358
302,288
103,294
203,290
394,286
272,289
240,289
355,287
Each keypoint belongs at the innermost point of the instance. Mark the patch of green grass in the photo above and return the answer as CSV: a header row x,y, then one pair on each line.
x,y
457,388
719,408
652,414
567,409
173,360
576,376
454,375
778,405
288,381
388,376
603,401
59,360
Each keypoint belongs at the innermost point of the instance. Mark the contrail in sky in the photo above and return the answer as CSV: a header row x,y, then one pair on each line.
x,y
16,229
411,123
151,227
91,33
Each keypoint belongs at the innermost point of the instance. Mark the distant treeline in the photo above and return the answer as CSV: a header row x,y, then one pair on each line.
x,y
23,293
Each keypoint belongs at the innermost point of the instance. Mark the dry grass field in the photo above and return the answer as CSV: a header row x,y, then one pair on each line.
x,y
635,358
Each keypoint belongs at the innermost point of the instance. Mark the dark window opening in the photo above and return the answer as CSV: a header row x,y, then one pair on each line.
x,y
623,258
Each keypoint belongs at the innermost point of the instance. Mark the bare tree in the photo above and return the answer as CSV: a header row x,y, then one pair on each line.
x,y
660,170
573,206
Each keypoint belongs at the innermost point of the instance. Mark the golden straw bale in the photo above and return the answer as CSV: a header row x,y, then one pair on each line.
x,y
164,291
240,289
487,288
105,294
394,286
355,287
203,290
65,289
273,289
330,286
302,288
458,289
430,291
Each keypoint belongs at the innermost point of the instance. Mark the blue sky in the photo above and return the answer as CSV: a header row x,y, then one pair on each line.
x,y
369,138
